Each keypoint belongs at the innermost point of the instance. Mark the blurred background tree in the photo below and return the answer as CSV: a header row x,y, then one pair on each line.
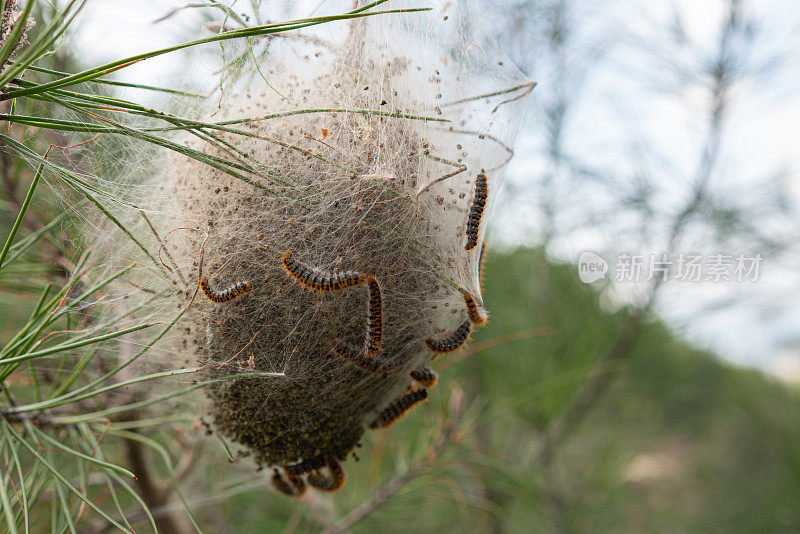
x,y
583,407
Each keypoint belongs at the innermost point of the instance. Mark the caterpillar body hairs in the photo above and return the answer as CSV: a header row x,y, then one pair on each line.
x,y
375,317
453,341
317,280
366,359
476,211
219,297
475,315
399,407
425,376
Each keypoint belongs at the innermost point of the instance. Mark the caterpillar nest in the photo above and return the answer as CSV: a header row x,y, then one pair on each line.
x,y
352,259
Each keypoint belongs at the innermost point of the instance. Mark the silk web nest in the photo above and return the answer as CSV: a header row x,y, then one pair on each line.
x,y
334,275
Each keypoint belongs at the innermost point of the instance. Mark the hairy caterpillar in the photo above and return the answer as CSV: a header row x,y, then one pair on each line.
x,y
472,310
317,280
294,487
453,341
425,376
399,407
332,482
476,211
224,296
375,317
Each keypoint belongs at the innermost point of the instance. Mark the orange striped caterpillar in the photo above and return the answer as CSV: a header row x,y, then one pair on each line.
x,y
399,407
364,361
332,482
472,310
294,487
453,341
425,376
476,211
375,317
317,280
224,296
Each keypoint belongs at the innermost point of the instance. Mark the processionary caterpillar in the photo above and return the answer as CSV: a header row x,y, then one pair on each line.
x,y
472,310
399,407
294,487
453,341
332,482
317,280
224,296
476,211
425,376
375,317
